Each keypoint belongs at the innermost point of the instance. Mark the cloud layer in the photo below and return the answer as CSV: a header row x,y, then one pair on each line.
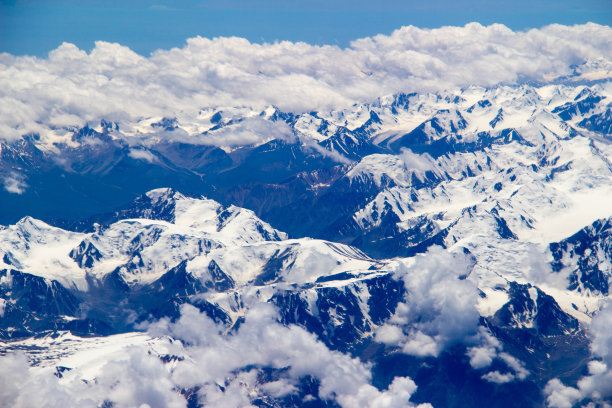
x,y
224,368
73,86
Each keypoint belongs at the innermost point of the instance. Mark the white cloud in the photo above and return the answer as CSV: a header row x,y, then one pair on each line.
x,y
389,334
601,334
420,162
598,384
19,387
517,366
262,341
14,183
488,348
559,395
249,131
225,367
398,394
140,154
539,270
11,367
498,378
482,356
111,81
278,388
439,308
419,344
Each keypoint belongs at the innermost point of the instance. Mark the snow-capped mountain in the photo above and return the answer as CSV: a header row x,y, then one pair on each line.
x,y
447,248
173,246
175,250
228,148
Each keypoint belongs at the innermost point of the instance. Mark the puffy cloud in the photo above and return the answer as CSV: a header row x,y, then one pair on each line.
x,y
128,382
71,86
439,309
420,344
488,348
498,378
15,183
518,371
560,396
139,380
538,268
140,154
19,387
389,334
482,356
222,365
12,367
598,384
261,341
421,162
601,334
397,395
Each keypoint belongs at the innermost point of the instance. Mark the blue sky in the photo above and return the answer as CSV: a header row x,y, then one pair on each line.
x,y
35,27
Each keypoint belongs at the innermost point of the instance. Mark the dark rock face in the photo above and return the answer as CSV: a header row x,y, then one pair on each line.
x,y
579,107
587,255
534,329
530,308
36,294
431,130
33,305
95,177
338,315
219,281
600,123
272,269
177,282
85,254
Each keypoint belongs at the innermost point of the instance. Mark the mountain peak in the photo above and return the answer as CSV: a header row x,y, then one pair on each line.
x,y
159,195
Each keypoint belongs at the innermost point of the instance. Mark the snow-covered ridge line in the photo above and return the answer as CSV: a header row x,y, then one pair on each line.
x,y
224,139
383,120
162,231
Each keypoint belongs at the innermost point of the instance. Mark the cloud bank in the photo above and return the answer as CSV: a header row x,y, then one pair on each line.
x,y
73,86
224,369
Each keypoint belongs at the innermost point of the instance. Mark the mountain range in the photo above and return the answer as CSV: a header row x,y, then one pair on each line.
x,y
449,248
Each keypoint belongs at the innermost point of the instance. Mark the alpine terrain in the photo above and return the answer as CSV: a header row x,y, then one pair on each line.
x,y
442,248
